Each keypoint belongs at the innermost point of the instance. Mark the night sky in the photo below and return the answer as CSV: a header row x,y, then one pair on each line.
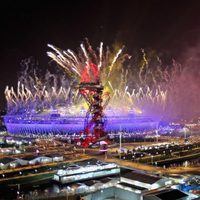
x,y
170,27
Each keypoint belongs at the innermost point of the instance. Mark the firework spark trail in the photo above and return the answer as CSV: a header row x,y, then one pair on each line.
x,y
85,54
100,55
139,96
144,90
74,56
109,83
90,50
34,92
138,100
52,96
75,64
114,60
144,63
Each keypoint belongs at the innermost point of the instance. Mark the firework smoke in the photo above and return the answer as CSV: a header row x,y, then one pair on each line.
x,y
37,93
143,85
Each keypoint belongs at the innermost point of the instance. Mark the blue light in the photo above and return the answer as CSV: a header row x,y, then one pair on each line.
x,y
44,124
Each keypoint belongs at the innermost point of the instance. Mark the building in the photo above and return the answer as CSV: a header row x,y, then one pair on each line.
x,y
130,185
86,171
56,157
45,123
8,162
167,194
144,180
32,160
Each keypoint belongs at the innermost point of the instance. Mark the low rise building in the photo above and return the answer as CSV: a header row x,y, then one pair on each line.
x,y
144,180
167,194
32,160
86,171
56,157
7,162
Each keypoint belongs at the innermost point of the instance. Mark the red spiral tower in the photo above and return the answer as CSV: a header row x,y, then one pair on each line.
x,y
92,91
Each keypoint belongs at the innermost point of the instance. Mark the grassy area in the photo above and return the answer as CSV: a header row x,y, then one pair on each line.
x,y
29,179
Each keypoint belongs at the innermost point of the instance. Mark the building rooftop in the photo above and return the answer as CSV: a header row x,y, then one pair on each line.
x,y
91,182
167,195
76,185
6,160
30,149
105,180
141,177
173,194
30,157
88,161
132,186
53,155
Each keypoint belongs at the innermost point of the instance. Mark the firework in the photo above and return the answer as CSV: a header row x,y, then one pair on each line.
x,y
140,91
75,64
141,85
128,86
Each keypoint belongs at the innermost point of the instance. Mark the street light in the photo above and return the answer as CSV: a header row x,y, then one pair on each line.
x,y
68,188
156,134
18,191
120,141
152,160
163,152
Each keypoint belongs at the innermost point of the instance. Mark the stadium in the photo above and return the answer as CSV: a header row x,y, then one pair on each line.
x,y
56,124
